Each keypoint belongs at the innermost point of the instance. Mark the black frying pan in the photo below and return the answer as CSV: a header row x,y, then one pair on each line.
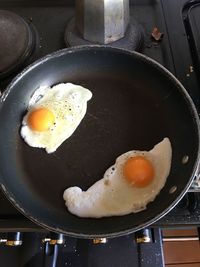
x,y
135,104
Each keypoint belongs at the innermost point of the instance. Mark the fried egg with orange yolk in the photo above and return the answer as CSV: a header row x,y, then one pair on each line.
x,y
127,187
54,114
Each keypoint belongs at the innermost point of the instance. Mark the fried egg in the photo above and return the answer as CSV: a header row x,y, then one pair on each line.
x,y
127,187
54,114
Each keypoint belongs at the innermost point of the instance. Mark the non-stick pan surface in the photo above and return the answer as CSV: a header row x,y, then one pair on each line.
x,y
135,104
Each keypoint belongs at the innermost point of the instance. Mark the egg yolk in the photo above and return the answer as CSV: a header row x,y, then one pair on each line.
x,y
40,119
138,171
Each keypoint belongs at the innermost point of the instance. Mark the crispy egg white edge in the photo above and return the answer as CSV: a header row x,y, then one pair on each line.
x,y
85,204
25,131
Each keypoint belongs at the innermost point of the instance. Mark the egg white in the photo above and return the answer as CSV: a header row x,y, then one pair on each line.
x,y
68,102
113,195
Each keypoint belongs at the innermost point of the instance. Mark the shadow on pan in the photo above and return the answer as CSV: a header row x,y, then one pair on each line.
x,y
135,104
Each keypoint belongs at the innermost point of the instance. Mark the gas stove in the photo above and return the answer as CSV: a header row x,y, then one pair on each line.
x,y
170,34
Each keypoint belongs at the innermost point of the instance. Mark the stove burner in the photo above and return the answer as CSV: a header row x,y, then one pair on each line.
x,y
133,39
17,41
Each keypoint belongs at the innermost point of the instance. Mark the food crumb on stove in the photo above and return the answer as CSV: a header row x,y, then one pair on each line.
x,y
156,34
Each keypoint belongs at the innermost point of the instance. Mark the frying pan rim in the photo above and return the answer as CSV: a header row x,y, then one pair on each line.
x,y
145,58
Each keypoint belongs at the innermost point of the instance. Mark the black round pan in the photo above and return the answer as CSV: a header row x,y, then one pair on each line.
x,y
136,103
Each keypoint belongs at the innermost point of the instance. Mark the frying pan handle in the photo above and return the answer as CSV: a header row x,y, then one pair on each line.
x,y
50,255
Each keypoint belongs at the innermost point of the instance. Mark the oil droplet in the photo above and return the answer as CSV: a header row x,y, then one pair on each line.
x,y
173,189
185,159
